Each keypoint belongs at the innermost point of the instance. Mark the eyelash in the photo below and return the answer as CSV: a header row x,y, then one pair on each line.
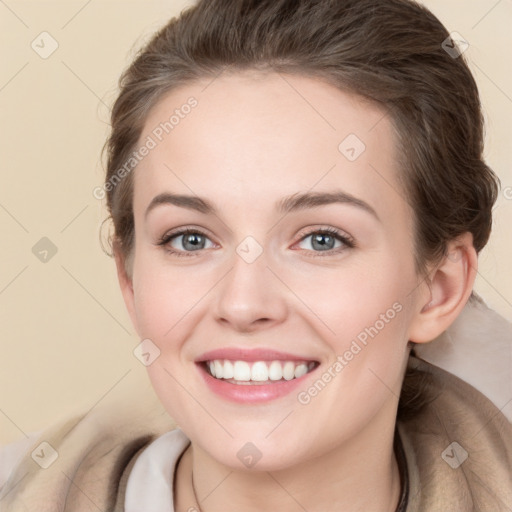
x,y
346,240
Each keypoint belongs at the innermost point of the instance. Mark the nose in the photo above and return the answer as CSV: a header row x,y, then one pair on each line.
x,y
251,297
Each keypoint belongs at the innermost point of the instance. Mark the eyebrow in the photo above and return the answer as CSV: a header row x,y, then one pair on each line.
x,y
295,202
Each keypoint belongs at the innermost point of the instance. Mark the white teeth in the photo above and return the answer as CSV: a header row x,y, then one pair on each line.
x,y
241,370
259,371
228,372
301,370
275,371
218,370
288,370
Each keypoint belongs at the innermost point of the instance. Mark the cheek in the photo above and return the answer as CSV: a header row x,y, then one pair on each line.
x,y
166,302
369,312
165,296
348,300
154,305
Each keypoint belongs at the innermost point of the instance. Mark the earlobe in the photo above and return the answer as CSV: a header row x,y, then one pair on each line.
x,y
449,288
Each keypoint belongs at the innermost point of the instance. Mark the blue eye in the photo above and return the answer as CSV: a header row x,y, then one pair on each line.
x,y
193,240
325,239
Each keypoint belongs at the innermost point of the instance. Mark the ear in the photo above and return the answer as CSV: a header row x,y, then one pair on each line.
x,y
445,293
126,284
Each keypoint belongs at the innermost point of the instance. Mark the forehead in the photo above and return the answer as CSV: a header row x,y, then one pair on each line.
x,y
261,136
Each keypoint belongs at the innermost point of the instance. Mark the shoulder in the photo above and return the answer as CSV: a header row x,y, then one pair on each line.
x,y
84,456
458,447
477,348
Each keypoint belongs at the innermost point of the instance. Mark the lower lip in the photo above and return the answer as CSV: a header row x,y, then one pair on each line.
x,y
251,393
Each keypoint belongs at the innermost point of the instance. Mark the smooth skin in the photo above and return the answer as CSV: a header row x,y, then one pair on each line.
x,y
253,139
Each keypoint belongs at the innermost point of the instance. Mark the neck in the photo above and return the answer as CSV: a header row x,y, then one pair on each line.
x,y
361,474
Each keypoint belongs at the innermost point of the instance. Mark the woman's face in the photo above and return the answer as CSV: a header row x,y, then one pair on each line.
x,y
259,272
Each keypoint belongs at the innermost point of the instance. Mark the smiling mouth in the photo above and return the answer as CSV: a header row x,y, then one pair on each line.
x,y
257,372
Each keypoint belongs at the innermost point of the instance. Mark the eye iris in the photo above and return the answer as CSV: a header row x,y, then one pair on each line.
x,y
323,245
192,238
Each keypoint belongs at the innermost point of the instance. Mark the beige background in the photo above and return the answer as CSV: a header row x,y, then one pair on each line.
x,y
66,339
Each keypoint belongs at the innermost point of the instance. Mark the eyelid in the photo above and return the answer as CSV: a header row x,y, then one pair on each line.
x,y
339,233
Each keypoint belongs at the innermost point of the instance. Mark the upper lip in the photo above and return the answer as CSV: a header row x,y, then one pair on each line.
x,y
250,355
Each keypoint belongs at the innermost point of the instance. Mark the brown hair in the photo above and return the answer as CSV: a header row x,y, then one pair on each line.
x,y
389,51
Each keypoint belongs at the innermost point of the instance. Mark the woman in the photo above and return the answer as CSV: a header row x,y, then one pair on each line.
x,y
298,196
